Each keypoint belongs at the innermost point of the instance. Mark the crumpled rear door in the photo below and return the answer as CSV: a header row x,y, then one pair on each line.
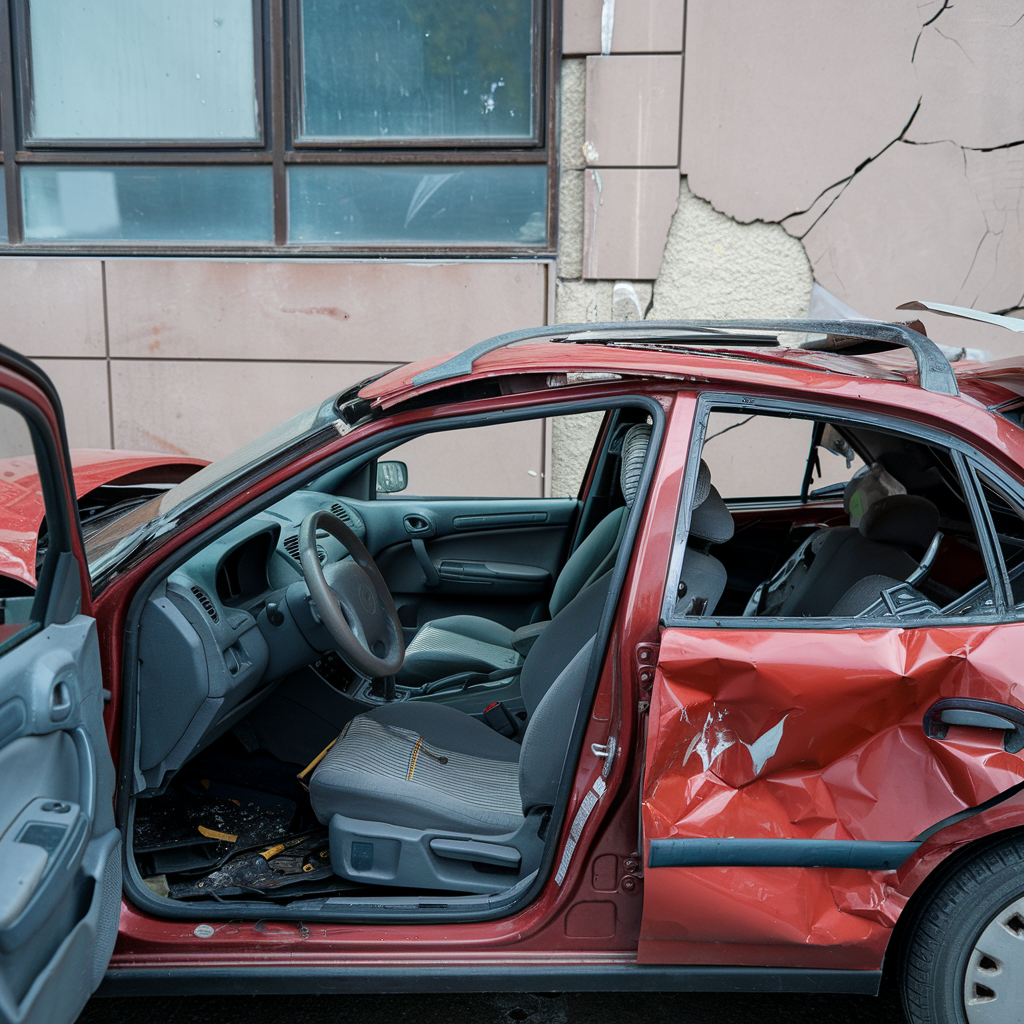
x,y
776,734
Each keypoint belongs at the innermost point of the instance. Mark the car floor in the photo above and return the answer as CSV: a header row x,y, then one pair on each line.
x,y
234,825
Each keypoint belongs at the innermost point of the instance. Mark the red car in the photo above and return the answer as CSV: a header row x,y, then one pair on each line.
x,y
722,696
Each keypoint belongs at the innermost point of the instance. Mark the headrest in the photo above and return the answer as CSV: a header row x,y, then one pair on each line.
x,y
903,519
867,485
703,487
634,451
711,520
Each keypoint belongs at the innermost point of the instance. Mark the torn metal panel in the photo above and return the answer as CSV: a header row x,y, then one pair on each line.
x,y
810,735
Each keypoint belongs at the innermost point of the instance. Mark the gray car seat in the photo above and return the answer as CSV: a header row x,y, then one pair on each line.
x,y
702,578
868,485
424,796
471,643
892,535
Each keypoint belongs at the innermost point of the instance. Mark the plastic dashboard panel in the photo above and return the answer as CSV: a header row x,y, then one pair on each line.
x,y
203,659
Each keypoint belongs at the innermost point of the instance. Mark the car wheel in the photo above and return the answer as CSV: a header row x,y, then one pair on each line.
x,y
964,958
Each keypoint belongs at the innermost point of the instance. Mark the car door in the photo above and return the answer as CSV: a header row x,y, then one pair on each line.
x,y
60,852
477,529
793,766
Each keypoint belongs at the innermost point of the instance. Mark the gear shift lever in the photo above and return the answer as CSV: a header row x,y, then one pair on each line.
x,y
383,688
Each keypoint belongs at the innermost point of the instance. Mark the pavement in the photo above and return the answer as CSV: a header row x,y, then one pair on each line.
x,y
501,1008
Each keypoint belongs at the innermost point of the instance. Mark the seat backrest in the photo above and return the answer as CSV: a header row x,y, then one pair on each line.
x,y
552,683
889,530
596,555
702,578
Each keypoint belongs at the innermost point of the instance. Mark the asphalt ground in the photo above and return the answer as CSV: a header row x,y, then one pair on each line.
x,y
501,1008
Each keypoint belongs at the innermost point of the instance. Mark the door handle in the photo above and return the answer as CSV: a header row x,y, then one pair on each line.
x,y
418,525
976,714
429,569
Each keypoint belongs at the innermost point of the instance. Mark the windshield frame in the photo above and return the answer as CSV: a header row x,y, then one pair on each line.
x,y
109,547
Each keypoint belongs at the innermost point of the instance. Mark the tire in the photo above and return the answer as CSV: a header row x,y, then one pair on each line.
x,y
963,962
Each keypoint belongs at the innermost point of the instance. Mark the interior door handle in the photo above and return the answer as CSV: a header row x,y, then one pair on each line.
x,y
429,569
976,714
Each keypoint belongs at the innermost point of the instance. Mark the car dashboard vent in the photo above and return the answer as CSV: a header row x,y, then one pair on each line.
x,y
291,545
208,605
343,514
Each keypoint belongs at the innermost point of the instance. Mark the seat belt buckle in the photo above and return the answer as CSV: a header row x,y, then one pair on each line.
x,y
501,720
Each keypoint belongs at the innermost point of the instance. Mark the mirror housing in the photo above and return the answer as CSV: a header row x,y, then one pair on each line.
x,y
392,477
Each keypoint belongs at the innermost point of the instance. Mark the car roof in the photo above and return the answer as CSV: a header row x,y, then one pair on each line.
x,y
726,350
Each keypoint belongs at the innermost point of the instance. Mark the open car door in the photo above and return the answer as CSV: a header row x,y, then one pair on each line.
x,y
60,852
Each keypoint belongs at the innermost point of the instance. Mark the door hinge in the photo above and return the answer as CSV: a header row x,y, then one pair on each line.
x,y
645,661
643,707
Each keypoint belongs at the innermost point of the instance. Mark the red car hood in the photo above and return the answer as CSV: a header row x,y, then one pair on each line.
x,y
21,501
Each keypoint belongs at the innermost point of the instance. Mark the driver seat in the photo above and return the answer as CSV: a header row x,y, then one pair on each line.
x,y
424,796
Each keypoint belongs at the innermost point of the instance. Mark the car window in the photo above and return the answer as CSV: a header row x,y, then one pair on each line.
x,y
21,498
904,545
759,456
1008,520
503,460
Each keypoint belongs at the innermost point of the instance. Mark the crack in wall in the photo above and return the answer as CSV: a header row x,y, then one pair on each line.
x,y
845,182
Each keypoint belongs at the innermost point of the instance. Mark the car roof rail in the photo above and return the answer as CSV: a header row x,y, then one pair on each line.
x,y
934,371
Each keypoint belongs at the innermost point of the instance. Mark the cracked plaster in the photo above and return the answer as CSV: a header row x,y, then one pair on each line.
x,y
929,125
716,267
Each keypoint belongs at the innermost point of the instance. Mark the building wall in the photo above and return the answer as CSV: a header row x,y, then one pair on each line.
x,y
718,158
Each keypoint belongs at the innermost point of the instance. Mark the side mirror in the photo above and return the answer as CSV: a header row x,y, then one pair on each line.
x,y
392,477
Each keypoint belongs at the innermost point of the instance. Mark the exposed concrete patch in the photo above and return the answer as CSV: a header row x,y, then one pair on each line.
x,y
573,113
572,440
570,224
715,267
578,302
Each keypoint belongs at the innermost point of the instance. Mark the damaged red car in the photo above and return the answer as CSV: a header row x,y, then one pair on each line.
x,y
722,697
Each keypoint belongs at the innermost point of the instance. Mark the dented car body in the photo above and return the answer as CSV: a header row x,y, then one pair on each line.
x,y
788,715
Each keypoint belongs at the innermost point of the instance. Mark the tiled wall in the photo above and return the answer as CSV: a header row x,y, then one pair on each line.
x,y
200,356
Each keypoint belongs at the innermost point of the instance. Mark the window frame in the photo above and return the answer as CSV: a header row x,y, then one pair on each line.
x,y
966,459
278,75
21,9
300,141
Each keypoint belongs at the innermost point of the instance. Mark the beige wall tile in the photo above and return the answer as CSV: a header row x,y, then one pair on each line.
x,y
52,306
627,214
82,386
782,100
581,26
633,110
970,63
209,408
391,312
648,26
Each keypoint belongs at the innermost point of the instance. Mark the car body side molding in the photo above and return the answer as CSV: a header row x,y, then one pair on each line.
x,y
869,855
376,979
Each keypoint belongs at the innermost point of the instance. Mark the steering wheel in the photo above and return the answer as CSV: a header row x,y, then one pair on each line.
x,y
353,600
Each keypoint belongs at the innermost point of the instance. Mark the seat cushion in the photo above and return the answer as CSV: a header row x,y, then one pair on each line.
x,y
421,765
459,643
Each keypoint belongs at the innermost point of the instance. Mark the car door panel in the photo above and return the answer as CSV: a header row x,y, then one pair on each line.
x,y
60,860
493,557
796,735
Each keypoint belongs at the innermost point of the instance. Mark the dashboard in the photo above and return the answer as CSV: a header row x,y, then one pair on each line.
x,y
204,656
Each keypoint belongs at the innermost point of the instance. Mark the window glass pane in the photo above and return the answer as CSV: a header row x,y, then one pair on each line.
x,y
160,204
464,463
3,213
417,69
142,69
19,490
418,205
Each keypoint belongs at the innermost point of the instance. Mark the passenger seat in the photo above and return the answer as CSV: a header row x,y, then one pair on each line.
x,y
471,643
